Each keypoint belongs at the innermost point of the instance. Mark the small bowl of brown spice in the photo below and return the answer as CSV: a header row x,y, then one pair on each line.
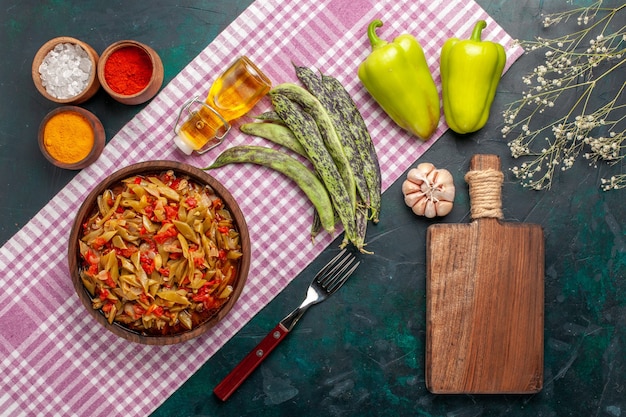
x,y
130,72
71,137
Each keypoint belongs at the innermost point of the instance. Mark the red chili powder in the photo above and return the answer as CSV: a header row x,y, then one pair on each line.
x,y
128,70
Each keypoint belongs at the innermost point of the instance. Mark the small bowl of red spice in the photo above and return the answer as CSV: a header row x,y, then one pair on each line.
x,y
130,72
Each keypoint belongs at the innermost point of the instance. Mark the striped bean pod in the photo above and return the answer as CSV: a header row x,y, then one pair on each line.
x,y
349,112
276,133
306,131
308,182
313,107
269,116
314,84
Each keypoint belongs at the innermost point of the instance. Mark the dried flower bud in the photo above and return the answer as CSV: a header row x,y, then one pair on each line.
x,y
429,191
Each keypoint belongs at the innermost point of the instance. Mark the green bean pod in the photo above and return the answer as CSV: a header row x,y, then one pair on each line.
x,y
349,112
312,106
314,84
269,116
289,166
316,226
306,131
277,133
361,220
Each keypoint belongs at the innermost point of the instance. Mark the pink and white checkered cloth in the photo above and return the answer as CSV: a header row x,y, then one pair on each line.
x,y
56,359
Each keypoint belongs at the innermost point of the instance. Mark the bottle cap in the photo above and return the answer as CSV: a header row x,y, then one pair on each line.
x,y
183,145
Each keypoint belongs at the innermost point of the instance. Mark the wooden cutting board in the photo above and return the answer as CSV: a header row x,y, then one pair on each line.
x,y
485,297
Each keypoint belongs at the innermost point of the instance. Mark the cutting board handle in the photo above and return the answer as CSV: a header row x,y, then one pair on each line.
x,y
485,187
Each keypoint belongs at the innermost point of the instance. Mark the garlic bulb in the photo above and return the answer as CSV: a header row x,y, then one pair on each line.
x,y
429,191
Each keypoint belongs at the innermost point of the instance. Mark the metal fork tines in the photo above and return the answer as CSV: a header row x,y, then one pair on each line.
x,y
325,283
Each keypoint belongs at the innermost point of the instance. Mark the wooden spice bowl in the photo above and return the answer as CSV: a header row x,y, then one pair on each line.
x,y
89,207
153,85
99,137
93,83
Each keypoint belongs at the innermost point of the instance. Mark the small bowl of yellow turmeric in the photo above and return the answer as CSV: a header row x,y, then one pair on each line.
x,y
71,137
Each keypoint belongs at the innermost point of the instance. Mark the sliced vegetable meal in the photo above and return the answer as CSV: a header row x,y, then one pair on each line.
x,y
159,254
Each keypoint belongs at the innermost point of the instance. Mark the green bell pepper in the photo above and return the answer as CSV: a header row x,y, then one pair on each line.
x,y
470,73
397,76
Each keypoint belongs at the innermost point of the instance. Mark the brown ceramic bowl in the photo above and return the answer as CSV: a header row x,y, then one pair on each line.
x,y
88,208
153,85
93,83
99,137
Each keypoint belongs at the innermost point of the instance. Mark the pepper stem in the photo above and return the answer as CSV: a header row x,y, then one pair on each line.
x,y
476,33
371,34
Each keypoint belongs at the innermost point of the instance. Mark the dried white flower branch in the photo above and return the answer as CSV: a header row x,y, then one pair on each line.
x,y
553,120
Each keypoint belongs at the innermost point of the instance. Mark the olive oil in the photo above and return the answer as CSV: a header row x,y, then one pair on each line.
x,y
233,94
238,90
202,127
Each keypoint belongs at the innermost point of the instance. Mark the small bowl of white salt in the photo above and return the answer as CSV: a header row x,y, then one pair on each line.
x,y
64,70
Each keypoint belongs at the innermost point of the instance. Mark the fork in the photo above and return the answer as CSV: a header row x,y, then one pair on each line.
x,y
325,283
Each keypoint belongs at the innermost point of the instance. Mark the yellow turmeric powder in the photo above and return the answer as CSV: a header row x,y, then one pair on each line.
x,y
68,137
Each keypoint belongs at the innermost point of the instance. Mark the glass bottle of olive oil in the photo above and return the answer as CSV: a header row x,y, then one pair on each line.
x,y
233,94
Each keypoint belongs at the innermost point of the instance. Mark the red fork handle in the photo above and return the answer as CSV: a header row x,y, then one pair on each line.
x,y
235,378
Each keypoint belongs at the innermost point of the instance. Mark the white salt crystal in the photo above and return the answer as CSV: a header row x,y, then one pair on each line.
x,y
65,70
85,65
